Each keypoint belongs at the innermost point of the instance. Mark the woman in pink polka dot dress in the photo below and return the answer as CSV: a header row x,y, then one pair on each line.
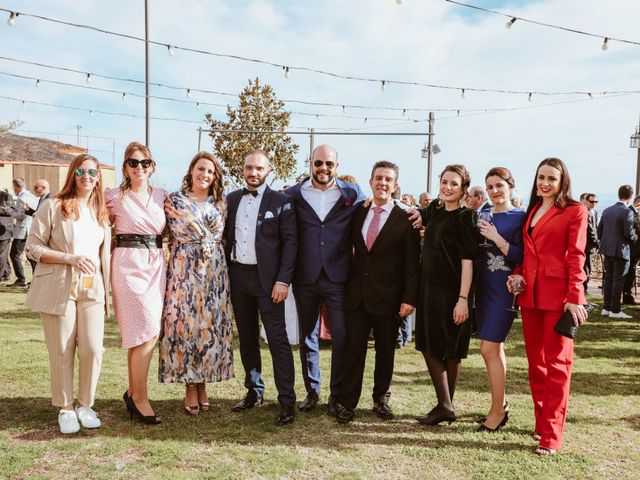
x,y
138,272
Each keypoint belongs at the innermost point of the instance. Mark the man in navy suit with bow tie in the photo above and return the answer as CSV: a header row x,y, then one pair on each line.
x,y
261,243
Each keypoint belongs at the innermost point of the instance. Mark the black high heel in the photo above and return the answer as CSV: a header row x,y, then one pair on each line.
x,y
128,401
146,419
500,426
438,415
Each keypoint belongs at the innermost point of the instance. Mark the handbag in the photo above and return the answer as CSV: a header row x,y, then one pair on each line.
x,y
566,327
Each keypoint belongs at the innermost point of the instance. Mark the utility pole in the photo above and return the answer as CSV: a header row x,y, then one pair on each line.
x,y
311,147
430,151
146,72
78,127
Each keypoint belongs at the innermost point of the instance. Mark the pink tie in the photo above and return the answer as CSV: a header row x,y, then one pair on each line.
x,y
372,232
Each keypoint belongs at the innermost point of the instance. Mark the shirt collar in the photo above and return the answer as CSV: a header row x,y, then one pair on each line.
x,y
261,188
387,207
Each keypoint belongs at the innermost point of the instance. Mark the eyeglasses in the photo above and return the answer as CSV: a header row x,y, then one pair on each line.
x,y
328,163
133,163
592,201
79,172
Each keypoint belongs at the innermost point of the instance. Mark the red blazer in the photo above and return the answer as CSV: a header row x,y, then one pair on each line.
x,y
553,264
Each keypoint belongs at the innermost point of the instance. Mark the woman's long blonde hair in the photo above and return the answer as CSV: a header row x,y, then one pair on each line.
x,y
69,198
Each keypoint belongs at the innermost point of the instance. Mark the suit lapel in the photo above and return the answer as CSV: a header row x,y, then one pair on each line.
x,y
552,212
232,211
394,216
358,222
341,201
264,205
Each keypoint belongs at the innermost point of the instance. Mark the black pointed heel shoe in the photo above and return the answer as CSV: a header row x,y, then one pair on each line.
x,y
500,426
146,419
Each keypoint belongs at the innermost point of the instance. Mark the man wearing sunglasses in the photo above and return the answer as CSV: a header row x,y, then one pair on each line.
x,y
590,200
324,207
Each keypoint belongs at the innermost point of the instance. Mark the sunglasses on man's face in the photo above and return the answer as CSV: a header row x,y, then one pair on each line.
x,y
592,201
319,163
133,163
79,172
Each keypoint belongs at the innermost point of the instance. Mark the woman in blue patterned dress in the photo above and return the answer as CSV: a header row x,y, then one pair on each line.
x,y
493,300
196,338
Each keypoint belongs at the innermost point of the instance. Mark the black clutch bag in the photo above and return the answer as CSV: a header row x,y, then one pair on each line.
x,y
565,325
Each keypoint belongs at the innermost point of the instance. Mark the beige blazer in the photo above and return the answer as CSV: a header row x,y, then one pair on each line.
x,y
51,284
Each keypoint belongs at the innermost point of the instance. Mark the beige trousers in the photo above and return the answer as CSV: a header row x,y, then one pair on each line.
x,y
81,326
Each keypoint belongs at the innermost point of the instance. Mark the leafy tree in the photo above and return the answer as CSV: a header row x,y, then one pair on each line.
x,y
260,112
10,126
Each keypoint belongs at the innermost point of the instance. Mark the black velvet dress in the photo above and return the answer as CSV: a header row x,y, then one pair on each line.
x,y
449,237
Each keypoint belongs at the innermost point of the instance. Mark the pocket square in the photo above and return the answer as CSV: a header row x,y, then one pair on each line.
x,y
268,215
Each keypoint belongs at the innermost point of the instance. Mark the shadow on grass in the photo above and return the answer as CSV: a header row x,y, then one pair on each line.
x,y
36,422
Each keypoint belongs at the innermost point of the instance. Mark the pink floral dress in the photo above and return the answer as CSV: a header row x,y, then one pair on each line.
x,y
138,275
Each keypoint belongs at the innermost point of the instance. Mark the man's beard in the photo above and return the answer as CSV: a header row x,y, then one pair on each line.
x,y
322,182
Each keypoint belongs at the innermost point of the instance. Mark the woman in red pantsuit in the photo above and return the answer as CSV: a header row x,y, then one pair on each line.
x,y
552,272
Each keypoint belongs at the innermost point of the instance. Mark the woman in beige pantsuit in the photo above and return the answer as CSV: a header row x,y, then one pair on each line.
x,y
70,240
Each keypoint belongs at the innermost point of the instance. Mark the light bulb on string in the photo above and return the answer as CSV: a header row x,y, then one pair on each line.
x,y
91,112
530,97
38,83
510,23
124,96
605,44
344,109
398,2
458,111
188,93
198,105
88,79
590,95
365,119
383,85
286,72
170,50
22,104
404,112
12,19
462,93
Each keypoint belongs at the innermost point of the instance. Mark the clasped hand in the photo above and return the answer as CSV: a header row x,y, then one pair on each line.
x,y
82,263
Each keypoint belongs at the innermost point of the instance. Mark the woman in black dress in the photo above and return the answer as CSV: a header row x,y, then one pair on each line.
x,y
442,332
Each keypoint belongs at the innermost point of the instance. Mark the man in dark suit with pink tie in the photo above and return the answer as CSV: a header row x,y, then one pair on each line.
x,y
382,289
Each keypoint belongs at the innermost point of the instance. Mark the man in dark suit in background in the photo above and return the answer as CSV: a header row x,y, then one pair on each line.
x,y
630,277
382,289
616,234
590,200
41,190
6,222
261,243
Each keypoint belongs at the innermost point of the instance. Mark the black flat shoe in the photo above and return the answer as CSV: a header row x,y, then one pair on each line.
x,y
383,411
345,416
286,416
436,416
334,407
310,402
249,401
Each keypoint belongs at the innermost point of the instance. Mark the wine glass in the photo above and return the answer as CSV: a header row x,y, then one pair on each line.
x,y
487,216
516,287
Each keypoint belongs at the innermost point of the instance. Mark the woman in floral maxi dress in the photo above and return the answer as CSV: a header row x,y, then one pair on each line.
x,y
196,339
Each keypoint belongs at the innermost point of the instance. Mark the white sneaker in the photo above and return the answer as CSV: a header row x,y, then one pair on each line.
x,y
604,312
620,314
68,421
88,417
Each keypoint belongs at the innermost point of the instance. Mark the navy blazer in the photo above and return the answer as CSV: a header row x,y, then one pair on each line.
x,y
276,236
615,231
325,244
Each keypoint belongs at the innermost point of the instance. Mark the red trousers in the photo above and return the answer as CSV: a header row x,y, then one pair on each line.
x,y
550,357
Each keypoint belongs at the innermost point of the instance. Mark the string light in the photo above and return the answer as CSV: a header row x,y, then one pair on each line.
x,y
383,85
365,119
530,96
198,105
398,2
12,19
605,44
590,96
462,93
170,50
88,80
22,104
510,23
124,96
344,109
188,93
404,112
286,72
91,112
37,82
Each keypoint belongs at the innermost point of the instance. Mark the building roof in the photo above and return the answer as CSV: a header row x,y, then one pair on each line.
x,y
39,151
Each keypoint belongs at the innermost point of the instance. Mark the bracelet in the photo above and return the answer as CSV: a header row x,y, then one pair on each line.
x,y
503,244
463,297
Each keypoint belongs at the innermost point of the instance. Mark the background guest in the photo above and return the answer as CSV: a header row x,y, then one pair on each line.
x,y
70,241
196,344
6,232
590,200
425,199
552,273
630,277
477,199
616,234
442,332
492,299
138,271
22,223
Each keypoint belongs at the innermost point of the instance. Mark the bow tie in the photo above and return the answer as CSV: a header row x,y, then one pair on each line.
x,y
246,191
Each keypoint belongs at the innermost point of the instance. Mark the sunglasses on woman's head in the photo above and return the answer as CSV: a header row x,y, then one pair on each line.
x,y
133,163
79,172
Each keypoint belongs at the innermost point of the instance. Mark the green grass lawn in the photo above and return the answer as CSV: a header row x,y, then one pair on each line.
x,y
602,438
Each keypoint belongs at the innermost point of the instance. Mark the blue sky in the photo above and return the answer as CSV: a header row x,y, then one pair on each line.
x,y
421,40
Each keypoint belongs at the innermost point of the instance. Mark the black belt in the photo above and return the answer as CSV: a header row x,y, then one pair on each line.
x,y
245,266
131,240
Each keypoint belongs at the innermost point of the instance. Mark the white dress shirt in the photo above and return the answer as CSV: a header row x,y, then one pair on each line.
x,y
246,223
322,201
384,215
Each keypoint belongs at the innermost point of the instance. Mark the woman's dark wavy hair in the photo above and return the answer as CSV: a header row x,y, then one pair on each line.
x,y
563,198
464,184
216,187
